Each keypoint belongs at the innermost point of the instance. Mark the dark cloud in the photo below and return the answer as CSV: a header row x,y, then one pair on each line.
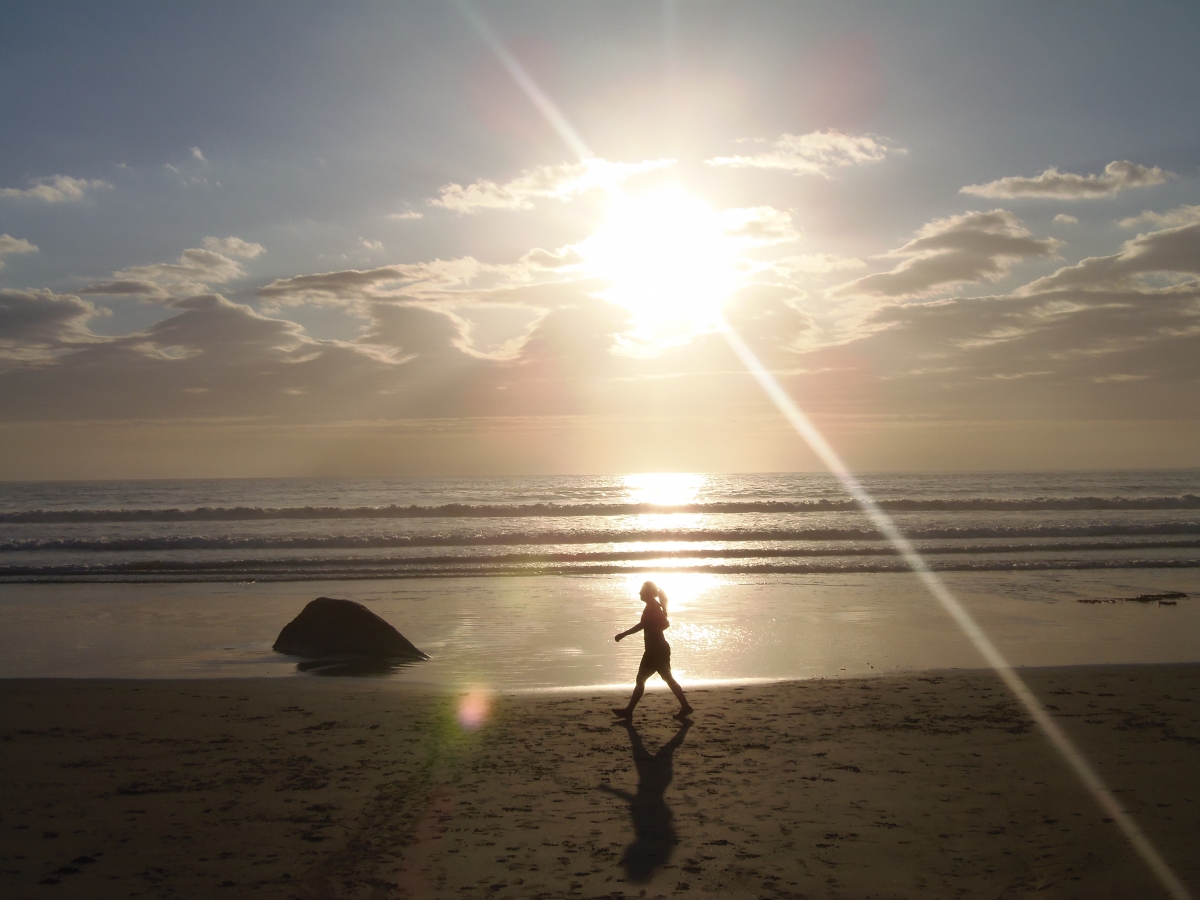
x,y
38,324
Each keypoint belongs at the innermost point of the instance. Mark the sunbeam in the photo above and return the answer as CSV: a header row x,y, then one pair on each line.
x,y
966,622
641,266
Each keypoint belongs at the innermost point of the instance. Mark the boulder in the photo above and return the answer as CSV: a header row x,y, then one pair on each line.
x,y
342,628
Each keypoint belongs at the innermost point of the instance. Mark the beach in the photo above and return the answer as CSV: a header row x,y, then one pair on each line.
x,y
849,740
931,784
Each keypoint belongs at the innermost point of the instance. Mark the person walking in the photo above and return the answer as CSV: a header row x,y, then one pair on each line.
x,y
657,657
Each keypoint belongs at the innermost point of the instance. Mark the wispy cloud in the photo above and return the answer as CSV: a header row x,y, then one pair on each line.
x,y
1064,219
234,246
818,264
1183,215
562,182
815,153
11,246
973,247
56,189
1119,175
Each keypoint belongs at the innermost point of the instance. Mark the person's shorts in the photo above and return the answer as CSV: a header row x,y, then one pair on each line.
x,y
652,662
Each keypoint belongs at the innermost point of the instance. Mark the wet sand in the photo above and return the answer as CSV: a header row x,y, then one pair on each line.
x,y
926,785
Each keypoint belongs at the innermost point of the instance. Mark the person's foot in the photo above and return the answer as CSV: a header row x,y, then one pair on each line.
x,y
622,713
684,712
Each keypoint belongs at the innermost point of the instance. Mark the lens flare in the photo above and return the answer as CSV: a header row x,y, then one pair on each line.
x,y
474,708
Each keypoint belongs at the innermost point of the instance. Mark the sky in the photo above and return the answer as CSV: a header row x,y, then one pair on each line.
x,y
276,239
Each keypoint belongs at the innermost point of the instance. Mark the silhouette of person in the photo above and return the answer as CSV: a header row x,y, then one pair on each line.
x,y
653,822
657,656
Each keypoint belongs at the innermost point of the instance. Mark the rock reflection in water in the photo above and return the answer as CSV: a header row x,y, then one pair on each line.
x,y
355,666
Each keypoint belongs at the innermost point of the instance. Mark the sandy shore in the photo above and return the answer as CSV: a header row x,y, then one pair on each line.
x,y
930,785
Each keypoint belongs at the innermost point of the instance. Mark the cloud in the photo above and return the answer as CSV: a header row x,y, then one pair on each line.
x,y
973,247
815,153
1169,252
39,324
234,246
197,155
147,290
1064,219
412,329
817,264
209,324
562,258
453,281
212,358
562,182
56,189
195,266
193,273
1038,356
759,226
407,214
1183,215
770,318
11,246
352,286
1118,176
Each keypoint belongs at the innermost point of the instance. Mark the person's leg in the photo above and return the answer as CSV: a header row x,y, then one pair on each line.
x,y
638,690
645,670
684,706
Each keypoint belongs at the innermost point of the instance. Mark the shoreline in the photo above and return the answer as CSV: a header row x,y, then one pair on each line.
x,y
550,631
920,784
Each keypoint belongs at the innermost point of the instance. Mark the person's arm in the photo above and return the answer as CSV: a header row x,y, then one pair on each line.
x,y
634,630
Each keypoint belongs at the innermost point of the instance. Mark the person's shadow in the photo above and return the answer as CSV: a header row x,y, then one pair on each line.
x,y
653,822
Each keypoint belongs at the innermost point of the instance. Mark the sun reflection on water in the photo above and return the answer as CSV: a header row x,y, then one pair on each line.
x,y
664,488
686,591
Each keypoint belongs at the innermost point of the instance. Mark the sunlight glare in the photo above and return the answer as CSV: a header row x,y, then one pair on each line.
x,y
667,257
685,590
664,488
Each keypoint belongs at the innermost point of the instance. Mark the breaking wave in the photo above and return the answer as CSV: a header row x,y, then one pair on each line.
x,y
380,568
555,510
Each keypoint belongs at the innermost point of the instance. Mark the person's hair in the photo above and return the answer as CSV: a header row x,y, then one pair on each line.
x,y
653,591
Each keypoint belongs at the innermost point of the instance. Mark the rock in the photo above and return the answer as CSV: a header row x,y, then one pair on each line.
x,y
1166,599
342,628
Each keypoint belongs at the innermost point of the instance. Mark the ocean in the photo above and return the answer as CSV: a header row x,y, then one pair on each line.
x,y
520,583
300,529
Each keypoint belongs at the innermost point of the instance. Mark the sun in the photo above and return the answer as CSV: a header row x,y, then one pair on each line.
x,y
665,256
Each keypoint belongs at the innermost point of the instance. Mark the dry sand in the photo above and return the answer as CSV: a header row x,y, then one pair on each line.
x,y
931,785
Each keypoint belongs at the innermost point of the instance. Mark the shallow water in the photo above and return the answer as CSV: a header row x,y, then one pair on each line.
x,y
548,632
